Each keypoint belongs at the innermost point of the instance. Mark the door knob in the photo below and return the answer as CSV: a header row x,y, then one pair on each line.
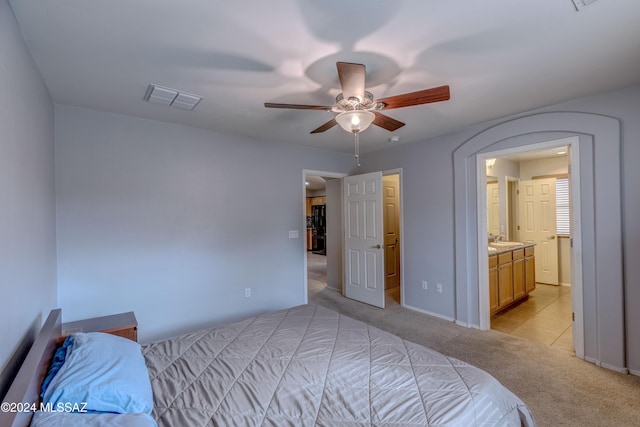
x,y
551,237
376,247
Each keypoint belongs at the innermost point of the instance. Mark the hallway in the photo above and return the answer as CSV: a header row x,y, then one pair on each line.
x,y
545,317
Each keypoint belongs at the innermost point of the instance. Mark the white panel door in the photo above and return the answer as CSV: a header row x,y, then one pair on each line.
x,y
363,238
538,225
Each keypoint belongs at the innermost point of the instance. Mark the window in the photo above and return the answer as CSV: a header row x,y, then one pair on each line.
x,y
563,219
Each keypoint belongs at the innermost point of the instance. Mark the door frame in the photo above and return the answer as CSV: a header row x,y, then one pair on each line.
x,y
324,174
311,172
601,218
577,302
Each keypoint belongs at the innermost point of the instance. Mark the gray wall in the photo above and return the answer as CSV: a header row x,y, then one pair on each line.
x,y
27,213
429,209
334,234
175,222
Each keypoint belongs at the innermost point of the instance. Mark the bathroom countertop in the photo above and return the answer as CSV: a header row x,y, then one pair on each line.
x,y
499,250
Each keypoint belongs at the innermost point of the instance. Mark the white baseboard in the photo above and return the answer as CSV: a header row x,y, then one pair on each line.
x,y
607,366
634,372
615,368
467,325
429,313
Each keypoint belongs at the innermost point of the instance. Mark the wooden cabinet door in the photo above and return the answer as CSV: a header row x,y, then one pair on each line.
x,y
530,273
518,279
308,206
493,290
309,239
505,284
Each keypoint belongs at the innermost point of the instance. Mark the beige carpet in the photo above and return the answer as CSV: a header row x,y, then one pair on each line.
x,y
560,390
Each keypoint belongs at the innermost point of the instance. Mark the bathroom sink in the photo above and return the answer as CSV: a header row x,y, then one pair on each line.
x,y
506,244
492,249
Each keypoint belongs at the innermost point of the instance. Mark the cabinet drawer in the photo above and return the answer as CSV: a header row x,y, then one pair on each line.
x,y
493,261
504,258
518,254
529,251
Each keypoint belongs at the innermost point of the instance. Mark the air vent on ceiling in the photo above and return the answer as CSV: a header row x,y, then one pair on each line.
x,y
581,4
174,98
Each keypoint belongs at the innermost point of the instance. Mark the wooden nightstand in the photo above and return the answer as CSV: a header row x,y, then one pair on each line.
x,y
123,324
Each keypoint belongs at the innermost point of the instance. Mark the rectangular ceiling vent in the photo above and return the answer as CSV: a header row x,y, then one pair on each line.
x,y
581,4
171,97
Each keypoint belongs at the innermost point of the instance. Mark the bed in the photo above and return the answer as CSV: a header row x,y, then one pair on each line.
x,y
308,365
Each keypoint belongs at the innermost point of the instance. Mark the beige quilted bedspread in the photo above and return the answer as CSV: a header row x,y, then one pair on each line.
x,y
310,366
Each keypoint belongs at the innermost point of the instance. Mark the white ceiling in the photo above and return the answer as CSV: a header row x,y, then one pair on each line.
x,y
498,56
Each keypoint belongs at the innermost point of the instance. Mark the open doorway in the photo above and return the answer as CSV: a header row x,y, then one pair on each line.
x,y
322,225
315,233
324,266
373,249
530,285
596,203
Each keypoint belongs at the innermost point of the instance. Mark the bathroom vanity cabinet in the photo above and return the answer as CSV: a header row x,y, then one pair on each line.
x,y
511,275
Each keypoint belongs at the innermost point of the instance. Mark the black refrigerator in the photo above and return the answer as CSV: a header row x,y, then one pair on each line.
x,y
318,222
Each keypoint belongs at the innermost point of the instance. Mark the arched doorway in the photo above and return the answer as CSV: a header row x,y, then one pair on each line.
x,y
599,250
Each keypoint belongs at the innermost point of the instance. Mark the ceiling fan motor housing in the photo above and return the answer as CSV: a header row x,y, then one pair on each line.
x,y
353,103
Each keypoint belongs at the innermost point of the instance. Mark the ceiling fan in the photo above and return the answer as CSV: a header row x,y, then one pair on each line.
x,y
357,109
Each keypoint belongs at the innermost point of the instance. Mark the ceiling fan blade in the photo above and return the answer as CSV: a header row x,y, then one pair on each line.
x,y
386,122
352,77
436,94
297,106
331,123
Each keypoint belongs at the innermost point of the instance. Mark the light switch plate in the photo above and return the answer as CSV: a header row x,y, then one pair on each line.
x,y
294,234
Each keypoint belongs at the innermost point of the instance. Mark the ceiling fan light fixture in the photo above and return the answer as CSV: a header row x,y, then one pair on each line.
x,y
355,120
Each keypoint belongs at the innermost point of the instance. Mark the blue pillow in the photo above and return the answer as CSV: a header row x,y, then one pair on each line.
x,y
57,362
103,373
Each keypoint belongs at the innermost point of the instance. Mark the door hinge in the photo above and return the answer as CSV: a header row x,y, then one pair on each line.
x,y
573,316
571,242
518,227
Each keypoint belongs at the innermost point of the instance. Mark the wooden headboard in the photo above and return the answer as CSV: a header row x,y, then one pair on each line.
x,y
26,386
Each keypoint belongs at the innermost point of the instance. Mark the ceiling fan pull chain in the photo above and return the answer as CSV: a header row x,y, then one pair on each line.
x,y
357,147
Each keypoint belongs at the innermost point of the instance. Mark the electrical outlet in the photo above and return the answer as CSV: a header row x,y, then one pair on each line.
x,y
439,288
247,292
425,285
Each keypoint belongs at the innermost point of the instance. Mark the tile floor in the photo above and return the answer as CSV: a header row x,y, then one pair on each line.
x,y
545,317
